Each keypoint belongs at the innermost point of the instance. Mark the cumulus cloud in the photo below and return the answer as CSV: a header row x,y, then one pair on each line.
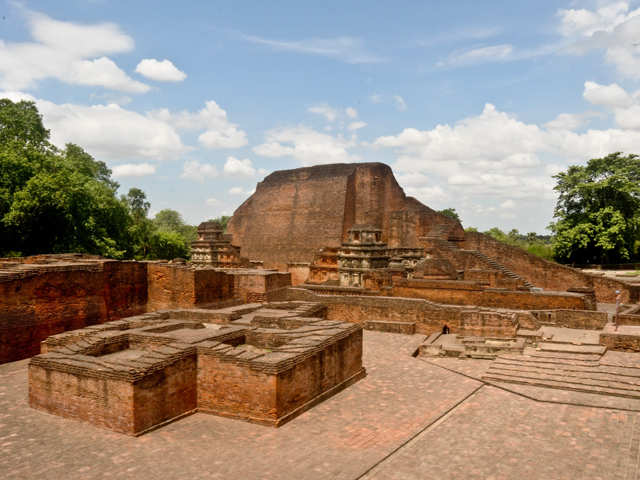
x,y
351,112
199,172
494,154
133,170
69,52
219,132
212,202
306,145
606,95
613,27
108,132
161,71
236,167
570,121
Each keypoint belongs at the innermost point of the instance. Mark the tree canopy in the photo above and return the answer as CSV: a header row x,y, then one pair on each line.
x,y
598,211
54,201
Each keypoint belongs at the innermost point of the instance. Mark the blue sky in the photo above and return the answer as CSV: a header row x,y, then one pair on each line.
x,y
473,104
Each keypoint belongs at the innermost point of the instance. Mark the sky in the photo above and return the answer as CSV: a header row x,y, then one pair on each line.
x,y
474,105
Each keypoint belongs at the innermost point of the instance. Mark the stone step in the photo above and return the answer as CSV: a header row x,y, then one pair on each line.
x,y
570,375
570,348
533,352
557,358
560,385
577,367
547,360
407,328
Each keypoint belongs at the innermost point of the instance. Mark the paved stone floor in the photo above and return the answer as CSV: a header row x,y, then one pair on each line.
x,y
406,419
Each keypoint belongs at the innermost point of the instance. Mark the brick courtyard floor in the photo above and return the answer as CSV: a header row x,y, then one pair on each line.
x,y
406,419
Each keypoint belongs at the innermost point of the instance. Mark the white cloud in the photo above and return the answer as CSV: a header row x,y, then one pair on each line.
x,y
570,121
108,132
325,110
219,132
133,170
583,22
399,103
375,98
628,118
492,53
68,52
306,145
345,49
212,202
494,154
235,166
610,96
508,204
161,71
356,126
194,170
612,27
236,191
351,112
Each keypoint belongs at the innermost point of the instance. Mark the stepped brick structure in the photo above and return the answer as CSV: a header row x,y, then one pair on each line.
x,y
213,248
294,213
44,295
261,363
363,251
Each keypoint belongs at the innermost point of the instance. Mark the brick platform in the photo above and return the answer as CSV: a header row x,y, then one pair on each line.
x,y
265,364
407,419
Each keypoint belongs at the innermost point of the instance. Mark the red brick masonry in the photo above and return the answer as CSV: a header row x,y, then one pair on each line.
x,y
264,364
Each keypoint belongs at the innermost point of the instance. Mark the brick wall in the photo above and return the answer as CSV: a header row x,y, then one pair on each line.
x,y
53,298
470,293
545,274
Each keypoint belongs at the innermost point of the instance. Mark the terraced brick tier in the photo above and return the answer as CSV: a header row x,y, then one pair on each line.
x,y
264,364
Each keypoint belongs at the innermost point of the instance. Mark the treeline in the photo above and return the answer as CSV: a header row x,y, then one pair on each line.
x,y
597,215
55,201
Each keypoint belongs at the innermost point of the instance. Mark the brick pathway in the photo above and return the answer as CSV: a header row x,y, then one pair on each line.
x,y
497,435
340,438
393,424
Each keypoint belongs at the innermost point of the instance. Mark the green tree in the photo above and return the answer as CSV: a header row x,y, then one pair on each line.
x,y
598,211
168,220
21,124
54,200
167,245
451,213
223,221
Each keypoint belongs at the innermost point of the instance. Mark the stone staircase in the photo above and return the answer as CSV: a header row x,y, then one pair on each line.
x,y
498,266
451,246
565,366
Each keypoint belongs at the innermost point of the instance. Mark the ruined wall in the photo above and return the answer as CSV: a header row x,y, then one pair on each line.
x,y
40,300
236,391
543,273
299,272
428,317
294,213
257,286
469,293
119,405
319,374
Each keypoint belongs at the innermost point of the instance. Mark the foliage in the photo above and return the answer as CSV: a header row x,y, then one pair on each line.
x,y
451,213
168,220
54,201
223,221
167,245
598,211
533,243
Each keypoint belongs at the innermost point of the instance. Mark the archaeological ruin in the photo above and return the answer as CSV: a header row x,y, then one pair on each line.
x,y
380,327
